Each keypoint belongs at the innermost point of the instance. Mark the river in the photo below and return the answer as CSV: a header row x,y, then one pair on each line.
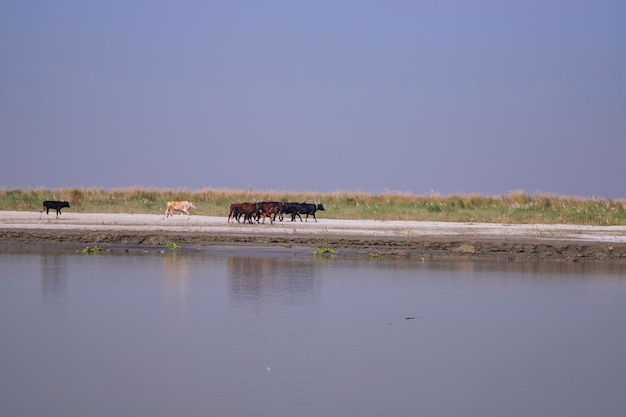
x,y
273,333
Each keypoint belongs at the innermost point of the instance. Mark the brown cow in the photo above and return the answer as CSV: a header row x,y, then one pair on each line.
x,y
270,209
249,211
235,212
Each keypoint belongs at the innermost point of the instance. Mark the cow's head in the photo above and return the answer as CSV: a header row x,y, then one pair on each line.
x,y
65,204
320,207
192,204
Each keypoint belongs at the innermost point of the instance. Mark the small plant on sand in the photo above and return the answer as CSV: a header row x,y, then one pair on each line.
x,y
89,250
172,245
322,250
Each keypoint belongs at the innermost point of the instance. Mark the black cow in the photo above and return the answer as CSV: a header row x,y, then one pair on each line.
x,y
311,208
57,205
293,209
296,209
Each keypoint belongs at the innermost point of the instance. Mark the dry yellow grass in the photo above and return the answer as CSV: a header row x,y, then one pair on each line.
x,y
514,207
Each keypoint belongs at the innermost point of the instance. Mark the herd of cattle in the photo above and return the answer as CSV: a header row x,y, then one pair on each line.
x,y
255,211
250,212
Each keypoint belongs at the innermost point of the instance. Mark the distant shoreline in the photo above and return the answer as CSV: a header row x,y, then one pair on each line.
x,y
516,207
367,238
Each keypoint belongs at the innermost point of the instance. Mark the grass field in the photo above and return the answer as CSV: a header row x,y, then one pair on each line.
x,y
513,208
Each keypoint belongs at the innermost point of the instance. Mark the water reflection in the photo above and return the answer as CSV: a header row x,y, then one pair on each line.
x,y
271,303
289,335
53,278
176,272
176,269
258,278
530,268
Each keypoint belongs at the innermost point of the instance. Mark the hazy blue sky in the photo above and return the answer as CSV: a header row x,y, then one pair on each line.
x,y
372,96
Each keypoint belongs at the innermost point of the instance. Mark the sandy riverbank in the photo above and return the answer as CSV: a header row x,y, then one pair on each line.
x,y
387,238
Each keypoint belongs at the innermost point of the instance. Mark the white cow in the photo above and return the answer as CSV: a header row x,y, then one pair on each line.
x,y
182,206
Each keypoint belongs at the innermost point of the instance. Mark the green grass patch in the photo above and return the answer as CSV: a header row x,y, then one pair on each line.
x,y
325,250
87,250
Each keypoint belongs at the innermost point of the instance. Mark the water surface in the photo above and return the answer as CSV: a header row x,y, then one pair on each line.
x,y
277,334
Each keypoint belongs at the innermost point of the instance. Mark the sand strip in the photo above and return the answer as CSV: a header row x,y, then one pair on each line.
x,y
392,238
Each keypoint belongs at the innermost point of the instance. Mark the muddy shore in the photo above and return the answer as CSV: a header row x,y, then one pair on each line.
x,y
406,239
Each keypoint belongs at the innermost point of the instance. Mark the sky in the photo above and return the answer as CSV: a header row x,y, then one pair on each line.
x,y
421,97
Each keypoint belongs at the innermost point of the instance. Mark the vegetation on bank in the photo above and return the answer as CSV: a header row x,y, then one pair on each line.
x,y
513,208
